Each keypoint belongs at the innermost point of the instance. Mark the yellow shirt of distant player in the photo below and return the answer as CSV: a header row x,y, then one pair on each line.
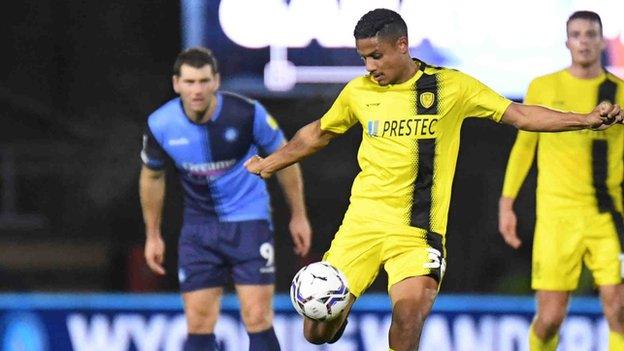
x,y
567,161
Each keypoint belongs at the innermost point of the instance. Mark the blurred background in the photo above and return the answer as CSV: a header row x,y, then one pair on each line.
x,y
79,79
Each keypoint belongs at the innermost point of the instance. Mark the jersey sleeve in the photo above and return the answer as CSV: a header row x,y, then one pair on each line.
x,y
340,116
520,161
152,155
523,151
481,101
266,132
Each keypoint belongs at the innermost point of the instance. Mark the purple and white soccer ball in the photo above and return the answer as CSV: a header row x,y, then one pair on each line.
x,y
319,291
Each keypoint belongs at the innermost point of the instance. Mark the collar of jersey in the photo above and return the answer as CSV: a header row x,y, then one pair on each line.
x,y
599,78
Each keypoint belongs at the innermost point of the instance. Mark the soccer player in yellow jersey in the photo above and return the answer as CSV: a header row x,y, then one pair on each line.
x,y
579,194
411,114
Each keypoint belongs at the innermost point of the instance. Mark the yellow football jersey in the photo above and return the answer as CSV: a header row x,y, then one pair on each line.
x,y
410,142
577,169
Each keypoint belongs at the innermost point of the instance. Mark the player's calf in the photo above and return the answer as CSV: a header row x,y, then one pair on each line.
x,y
612,297
408,319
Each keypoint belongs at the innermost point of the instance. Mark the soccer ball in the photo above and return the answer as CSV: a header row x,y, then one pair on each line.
x,y
319,291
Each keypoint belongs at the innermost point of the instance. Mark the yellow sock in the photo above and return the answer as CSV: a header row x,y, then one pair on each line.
x,y
537,344
616,341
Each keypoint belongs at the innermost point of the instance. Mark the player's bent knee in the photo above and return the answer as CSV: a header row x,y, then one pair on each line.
x,y
317,333
549,324
316,337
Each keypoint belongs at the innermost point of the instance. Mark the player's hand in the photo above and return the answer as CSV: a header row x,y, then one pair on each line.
x,y
254,165
301,233
507,223
605,115
155,253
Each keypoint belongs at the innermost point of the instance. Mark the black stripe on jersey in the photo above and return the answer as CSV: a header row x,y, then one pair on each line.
x,y
607,91
422,65
600,172
237,116
421,199
427,83
434,240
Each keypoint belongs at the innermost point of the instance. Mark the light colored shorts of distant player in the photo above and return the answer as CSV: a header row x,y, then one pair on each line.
x,y
360,249
563,243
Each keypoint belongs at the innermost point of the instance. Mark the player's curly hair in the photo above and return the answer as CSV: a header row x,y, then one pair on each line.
x,y
586,15
384,23
196,57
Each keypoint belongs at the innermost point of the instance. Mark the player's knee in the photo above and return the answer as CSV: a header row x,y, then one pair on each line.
x,y
548,324
317,333
200,320
257,317
316,336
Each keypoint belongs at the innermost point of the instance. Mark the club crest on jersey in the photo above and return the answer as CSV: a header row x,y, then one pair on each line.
x,y
271,122
427,99
373,128
231,134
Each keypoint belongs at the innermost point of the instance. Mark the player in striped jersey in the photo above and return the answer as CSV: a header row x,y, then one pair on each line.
x,y
579,190
411,114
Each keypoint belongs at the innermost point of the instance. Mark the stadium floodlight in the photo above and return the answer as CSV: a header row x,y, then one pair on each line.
x,y
282,75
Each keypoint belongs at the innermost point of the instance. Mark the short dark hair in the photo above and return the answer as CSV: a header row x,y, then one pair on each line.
x,y
196,57
380,22
586,15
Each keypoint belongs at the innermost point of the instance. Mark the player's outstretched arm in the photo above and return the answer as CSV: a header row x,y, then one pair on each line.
x,y
308,140
152,194
540,119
